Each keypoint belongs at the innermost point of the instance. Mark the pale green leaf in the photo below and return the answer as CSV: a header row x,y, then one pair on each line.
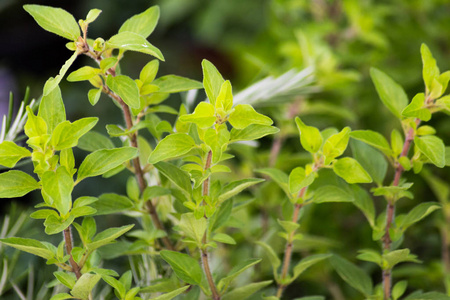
x,y
176,84
10,154
143,23
203,115
67,279
373,139
245,115
192,227
52,83
224,238
416,108
57,189
93,15
93,141
127,40
94,96
84,285
180,178
391,93
252,132
352,274
224,100
212,81
246,291
83,73
126,88
235,187
184,266
111,203
433,148
29,245
55,20
310,137
430,69
108,236
16,184
101,161
298,180
331,193
66,134
52,110
371,160
336,144
171,146
351,171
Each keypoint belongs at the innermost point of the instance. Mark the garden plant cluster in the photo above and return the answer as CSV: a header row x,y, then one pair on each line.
x,y
184,194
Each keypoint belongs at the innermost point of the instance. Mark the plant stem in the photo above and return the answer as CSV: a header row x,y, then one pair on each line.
x,y
204,251
137,167
290,244
390,211
68,242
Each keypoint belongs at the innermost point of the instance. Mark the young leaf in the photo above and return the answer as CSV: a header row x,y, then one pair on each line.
x,y
134,42
101,161
331,193
218,140
352,274
308,262
94,96
212,81
35,125
29,245
310,137
10,154
55,20
149,71
84,285
399,289
336,144
66,134
235,187
246,291
225,98
16,184
351,171
192,227
57,189
52,110
126,88
171,146
252,132
52,83
433,148
108,236
236,271
184,266
93,15
373,139
245,115
430,69
203,115
299,180
370,159
397,256
83,73
143,23
391,93
416,110
175,84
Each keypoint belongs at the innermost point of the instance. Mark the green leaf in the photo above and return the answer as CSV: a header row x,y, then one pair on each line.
x,y
93,15
352,274
66,134
371,160
93,141
370,255
427,296
175,84
111,204
351,171
391,93
416,108
149,71
336,144
224,238
246,291
235,187
52,83
57,189
52,110
224,100
273,257
62,296
217,140
252,132
221,216
185,267
212,81
116,284
235,272
308,262
94,96
126,88
101,161
16,184
180,178
83,73
418,213
393,192
127,40
430,69
143,23
84,285
192,227
433,148
331,193
310,137
399,289
10,154
35,125
279,177
364,202
29,245
171,146
298,180
245,115
108,236
68,280
172,294
373,139
55,20
398,256
203,116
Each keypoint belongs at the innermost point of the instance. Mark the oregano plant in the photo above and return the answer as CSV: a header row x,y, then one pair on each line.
x,y
183,192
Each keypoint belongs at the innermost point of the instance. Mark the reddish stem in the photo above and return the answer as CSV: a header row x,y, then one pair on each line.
x,y
69,246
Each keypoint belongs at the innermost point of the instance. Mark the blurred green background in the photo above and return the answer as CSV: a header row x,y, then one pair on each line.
x,y
248,41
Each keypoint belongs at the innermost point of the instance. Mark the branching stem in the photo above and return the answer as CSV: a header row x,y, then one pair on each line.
x,y
69,245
